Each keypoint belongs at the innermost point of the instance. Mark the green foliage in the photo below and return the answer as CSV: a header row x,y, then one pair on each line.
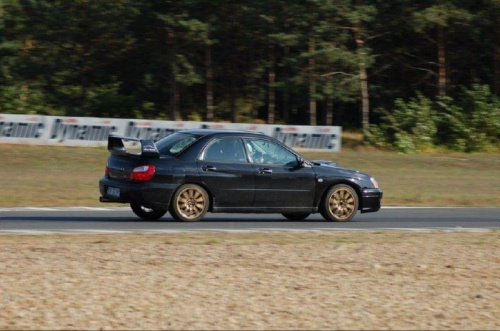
x,y
22,99
107,101
403,142
454,131
484,111
376,136
441,14
471,124
193,116
411,126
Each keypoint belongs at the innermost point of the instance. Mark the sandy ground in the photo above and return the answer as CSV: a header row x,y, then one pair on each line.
x,y
355,280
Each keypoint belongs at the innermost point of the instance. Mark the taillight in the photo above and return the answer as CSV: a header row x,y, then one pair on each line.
x,y
106,172
143,173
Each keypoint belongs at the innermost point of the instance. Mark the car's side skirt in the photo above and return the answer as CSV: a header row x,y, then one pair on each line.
x,y
262,210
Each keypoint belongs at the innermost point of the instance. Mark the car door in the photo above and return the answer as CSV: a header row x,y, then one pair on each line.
x,y
279,180
225,170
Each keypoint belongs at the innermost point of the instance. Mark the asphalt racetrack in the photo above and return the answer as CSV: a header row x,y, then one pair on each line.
x,y
109,220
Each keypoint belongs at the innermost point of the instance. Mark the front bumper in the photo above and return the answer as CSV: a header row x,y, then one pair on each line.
x,y
149,195
371,200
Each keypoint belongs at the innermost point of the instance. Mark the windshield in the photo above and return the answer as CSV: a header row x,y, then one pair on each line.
x,y
175,143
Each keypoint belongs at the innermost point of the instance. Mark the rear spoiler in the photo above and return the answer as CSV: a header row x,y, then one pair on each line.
x,y
116,147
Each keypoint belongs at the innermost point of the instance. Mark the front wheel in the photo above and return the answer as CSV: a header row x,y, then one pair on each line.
x,y
190,203
340,203
147,214
296,216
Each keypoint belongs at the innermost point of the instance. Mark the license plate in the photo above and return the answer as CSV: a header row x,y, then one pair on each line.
x,y
113,192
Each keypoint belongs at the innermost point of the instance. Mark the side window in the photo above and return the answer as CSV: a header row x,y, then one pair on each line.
x,y
267,152
180,145
225,150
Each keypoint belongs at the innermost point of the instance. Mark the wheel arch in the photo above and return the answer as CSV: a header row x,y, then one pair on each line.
x,y
205,187
356,188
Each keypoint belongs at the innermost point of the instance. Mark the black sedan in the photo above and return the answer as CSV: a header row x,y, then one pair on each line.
x,y
192,172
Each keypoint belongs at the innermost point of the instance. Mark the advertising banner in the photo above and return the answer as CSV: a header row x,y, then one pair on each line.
x,y
93,131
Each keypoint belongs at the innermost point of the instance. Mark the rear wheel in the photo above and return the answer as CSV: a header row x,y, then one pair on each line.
x,y
296,216
147,213
190,203
340,203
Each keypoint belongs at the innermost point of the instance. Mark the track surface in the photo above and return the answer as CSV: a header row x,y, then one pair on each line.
x,y
82,219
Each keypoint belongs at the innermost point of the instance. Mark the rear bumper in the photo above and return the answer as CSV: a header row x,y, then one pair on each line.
x,y
371,200
150,195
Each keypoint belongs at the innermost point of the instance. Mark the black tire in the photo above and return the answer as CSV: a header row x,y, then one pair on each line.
x,y
340,203
147,214
189,203
296,216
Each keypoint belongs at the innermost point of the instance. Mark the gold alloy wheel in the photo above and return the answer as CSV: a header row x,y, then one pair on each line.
x,y
342,203
191,203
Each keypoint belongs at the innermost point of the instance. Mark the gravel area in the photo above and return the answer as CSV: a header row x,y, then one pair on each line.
x,y
359,280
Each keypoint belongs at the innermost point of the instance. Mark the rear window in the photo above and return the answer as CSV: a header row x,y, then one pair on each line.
x,y
175,143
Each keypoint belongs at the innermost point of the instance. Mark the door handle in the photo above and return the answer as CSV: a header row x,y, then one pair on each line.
x,y
265,171
209,168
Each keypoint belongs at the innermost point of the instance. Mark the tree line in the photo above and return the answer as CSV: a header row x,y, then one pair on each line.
x,y
353,63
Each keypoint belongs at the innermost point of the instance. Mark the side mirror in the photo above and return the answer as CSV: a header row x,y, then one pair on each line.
x,y
303,163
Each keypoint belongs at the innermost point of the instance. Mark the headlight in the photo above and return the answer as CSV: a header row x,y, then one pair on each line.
x,y
374,182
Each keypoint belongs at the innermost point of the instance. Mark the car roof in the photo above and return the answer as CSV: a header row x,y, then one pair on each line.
x,y
212,132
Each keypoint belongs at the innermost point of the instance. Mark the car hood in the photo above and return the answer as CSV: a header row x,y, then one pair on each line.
x,y
330,166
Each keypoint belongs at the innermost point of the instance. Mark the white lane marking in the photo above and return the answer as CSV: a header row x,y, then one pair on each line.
x,y
88,208
253,230
460,229
343,229
430,207
96,231
277,229
191,231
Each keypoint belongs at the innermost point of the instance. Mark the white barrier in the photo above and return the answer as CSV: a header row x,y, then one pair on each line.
x,y
92,131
